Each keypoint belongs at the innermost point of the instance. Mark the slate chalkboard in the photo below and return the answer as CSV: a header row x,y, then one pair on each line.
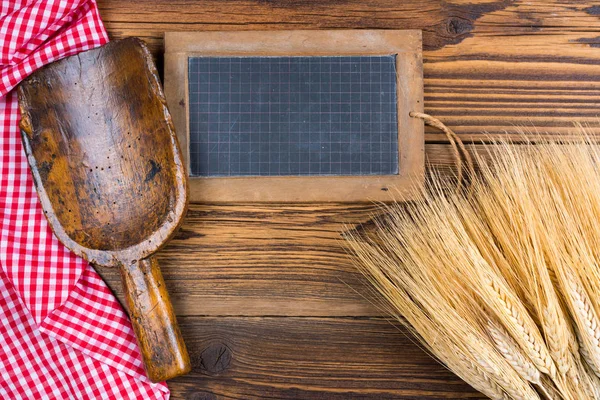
x,y
298,116
278,116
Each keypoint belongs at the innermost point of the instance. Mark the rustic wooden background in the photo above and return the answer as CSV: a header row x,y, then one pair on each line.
x,y
265,295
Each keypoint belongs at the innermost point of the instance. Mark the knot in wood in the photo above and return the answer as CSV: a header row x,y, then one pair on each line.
x,y
459,26
215,359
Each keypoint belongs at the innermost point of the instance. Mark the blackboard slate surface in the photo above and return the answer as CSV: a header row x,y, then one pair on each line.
x,y
277,116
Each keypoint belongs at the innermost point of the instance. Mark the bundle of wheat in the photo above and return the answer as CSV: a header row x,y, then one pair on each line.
x,y
500,281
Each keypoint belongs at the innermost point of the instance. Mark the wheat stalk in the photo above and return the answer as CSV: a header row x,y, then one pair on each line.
x,y
520,227
557,334
499,282
479,363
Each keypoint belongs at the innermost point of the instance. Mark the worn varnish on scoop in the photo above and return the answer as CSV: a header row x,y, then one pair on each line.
x,y
105,160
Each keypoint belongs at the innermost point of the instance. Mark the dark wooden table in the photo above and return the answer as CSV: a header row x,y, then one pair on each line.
x,y
265,295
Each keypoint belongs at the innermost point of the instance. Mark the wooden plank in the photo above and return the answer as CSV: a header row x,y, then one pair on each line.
x,y
444,23
262,260
302,358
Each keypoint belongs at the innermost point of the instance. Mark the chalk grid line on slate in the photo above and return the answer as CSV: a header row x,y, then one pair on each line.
x,y
257,116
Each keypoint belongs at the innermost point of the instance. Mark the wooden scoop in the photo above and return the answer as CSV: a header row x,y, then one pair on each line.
x,y
105,160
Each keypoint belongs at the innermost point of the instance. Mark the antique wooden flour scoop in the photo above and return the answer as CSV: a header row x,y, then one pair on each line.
x,y
105,160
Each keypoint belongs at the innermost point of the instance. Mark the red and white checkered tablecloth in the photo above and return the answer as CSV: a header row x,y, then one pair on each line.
x,y
63,335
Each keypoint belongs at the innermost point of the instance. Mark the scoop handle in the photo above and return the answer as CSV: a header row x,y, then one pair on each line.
x,y
163,350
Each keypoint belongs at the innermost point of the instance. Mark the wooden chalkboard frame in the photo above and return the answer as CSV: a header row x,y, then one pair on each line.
x,y
407,44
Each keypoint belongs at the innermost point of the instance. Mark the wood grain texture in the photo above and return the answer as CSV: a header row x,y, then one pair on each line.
x,y
104,158
300,358
489,66
154,322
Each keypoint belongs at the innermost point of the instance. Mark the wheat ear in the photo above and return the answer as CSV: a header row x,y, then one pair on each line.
x,y
513,354
586,319
585,355
557,333
477,378
518,323
515,387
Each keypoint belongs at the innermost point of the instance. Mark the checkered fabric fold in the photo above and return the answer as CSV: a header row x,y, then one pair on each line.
x,y
63,335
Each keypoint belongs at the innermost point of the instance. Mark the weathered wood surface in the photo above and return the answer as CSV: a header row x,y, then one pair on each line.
x,y
295,358
103,153
489,66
